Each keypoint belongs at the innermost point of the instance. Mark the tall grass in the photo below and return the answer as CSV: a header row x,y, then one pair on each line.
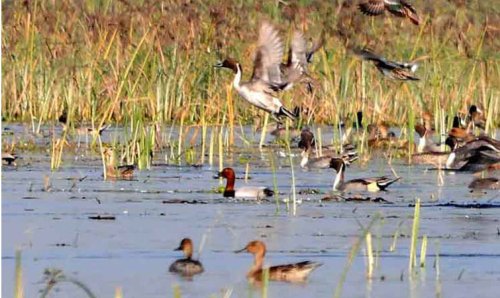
x,y
104,60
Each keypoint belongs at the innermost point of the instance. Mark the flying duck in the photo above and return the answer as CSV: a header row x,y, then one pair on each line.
x,y
391,69
399,8
187,266
298,58
249,192
362,184
266,79
297,272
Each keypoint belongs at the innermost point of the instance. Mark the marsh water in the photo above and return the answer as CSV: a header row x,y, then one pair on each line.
x,y
46,215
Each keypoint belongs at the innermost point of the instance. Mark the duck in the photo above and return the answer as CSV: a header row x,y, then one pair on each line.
x,y
489,183
266,79
476,117
425,141
280,132
9,159
187,266
249,192
321,162
297,272
362,184
114,172
474,155
432,155
299,57
82,129
399,8
391,69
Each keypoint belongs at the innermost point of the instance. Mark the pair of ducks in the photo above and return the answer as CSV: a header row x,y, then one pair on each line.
x,y
297,272
372,184
270,75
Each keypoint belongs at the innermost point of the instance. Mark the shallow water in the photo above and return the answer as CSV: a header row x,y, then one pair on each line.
x,y
53,229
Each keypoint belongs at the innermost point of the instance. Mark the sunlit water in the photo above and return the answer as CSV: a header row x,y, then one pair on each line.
x,y
134,251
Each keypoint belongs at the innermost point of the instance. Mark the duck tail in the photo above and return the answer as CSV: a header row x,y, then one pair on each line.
x,y
387,182
284,112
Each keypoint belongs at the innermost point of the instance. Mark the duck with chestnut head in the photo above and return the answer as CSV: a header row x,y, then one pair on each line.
x,y
246,192
297,272
187,266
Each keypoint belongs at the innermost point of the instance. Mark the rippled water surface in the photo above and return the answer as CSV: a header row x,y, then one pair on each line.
x,y
52,228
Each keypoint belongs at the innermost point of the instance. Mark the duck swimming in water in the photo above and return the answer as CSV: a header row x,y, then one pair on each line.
x,y
297,272
361,184
249,192
186,266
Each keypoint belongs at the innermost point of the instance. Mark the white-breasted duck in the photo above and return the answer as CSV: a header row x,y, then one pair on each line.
x,y
476,117
475,155
297,272
399,8
425,141
373,184
9,159
320,162
266,79
391,69
299,56
187,266
247,192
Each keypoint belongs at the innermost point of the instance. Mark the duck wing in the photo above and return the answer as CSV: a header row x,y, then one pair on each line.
x,y
268,57
293,272
372,7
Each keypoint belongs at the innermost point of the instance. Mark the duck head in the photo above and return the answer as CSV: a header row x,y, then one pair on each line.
x,y
337,164
306,139
230,64
186,247
452,142
474,109
255,247
228,173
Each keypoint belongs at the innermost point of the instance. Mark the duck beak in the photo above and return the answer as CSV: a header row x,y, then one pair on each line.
x,y
218,64
240,250
178,248
218,175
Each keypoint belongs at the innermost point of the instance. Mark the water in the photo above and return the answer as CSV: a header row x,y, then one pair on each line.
x,y
134,251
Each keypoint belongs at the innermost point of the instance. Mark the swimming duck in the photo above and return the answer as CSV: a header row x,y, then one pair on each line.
x,y
474,155
476,117
490,183
9,159
266,78
280,132
297,272
362,184
298,58
187,266
114,172
253,192
399,8
391,69
321,162
425,141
